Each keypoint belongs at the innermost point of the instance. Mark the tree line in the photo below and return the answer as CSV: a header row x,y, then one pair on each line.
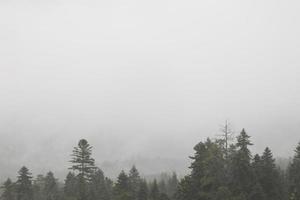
x,y
220,170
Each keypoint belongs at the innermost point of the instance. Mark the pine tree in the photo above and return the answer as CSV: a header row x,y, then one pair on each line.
x,y
186,189
38,187
294,175
84,164
243,177
134,182
163,196
143,190
51,188
24,185
154,191
8,190
82,161
70,188
122,189
162,186
270,177
172,185
99,187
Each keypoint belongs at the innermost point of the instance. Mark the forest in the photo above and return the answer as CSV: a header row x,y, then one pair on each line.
x,y
220,169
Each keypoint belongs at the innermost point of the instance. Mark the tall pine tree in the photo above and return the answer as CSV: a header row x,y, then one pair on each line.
x,y
8,192
24,185
84,164
294,175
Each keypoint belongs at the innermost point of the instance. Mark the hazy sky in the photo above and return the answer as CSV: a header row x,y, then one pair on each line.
x,y
145,78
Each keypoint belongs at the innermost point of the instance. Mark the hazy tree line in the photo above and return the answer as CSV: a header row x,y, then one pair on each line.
x,y
220,170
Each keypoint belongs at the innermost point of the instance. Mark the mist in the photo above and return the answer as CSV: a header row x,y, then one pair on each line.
x,y
144,81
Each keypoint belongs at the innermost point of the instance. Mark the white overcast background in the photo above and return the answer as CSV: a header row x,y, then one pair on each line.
x,y
144,79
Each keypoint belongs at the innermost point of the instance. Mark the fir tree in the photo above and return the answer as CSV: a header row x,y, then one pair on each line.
x,y
122,189
172,185
294,175
38,188
70,188
134,182
84,164
243,177
24,185
143,190
8,190
50,188
154,191
99,187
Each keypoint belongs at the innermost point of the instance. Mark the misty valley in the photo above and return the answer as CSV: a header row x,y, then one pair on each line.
x,y
220,169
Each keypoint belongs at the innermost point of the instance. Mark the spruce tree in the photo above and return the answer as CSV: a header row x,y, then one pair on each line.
x,y
82,161
294,175
84,165
134,182
38,187
122,189
51,187
8,192
70,188
143,190
24,185
154,191
243,177
172,185
99,188
269,177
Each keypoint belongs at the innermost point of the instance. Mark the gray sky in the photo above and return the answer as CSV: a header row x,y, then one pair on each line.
x,y
144,79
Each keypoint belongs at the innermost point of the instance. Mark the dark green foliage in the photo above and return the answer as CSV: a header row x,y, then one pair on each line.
x,y
100,187
38,187
82,161
243,176
50,188
70,188
154,191
8,190
186,189
163,196
134,182
143,190
294,176
122,188
207,174
171,186
84,165
217,173
24,185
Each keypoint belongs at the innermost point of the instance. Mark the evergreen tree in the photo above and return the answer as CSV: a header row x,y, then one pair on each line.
x,y
8,190
122,189
24,185
172,185
294,175
143,190
38,188
163,196
243,177
134,182
154,191
84,164
99,188
186,189
70,188
269,177
162,186
50,188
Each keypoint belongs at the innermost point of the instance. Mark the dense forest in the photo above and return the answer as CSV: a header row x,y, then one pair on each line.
x,y
221,169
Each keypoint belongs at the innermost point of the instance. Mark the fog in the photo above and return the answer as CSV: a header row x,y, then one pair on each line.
x,y
144,82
